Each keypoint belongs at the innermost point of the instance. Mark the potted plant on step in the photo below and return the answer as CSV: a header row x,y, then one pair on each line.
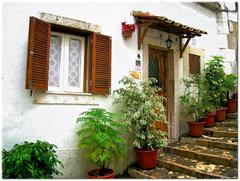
x,y
193,108
101,137
142,108
209,108
215,77
230,82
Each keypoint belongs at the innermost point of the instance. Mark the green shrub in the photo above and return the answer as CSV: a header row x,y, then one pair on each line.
x,y
215,79
101,137
30,160
230,82
142,107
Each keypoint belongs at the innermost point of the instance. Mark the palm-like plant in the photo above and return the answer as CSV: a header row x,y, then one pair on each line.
x,y
101,137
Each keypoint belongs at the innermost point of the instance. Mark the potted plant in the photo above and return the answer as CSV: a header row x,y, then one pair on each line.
x,y
193,108
209,111
35,160
127,30
142,108
230,82
101,137
215,77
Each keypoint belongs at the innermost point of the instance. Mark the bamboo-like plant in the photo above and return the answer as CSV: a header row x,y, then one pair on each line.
x,y
192,100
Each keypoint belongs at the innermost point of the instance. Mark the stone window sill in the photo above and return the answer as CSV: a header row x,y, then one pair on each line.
x,y
64,98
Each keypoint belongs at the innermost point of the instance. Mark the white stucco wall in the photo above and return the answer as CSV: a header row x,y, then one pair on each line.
x,y
24,120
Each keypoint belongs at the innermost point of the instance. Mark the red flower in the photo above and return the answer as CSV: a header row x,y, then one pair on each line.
x,y
127,27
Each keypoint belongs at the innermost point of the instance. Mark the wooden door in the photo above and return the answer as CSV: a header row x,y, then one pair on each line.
x,y
157,68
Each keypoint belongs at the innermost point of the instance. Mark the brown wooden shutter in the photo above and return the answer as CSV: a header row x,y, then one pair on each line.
x,y
38,54
101,64
194,64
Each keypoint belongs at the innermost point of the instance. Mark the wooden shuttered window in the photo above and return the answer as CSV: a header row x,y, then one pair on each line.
x,y
101,64
194,64
99,69
38,54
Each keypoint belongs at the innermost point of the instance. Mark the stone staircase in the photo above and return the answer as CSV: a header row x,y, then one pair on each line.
x,y
214,155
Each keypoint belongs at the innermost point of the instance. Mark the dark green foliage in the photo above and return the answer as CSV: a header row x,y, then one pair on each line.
x,y
101,136
142,107
215,78
194,98
30,160
229,82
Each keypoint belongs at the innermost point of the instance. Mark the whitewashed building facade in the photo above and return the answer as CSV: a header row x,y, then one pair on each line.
x,y
51,115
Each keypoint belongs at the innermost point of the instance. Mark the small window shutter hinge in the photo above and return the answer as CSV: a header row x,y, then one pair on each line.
x,y
90,83
91,41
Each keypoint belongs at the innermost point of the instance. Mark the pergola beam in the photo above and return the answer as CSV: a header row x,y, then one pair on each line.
x,y
185,45
142,30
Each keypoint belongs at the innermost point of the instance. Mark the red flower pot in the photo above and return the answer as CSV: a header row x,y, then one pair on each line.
x,y
147,159
196,128
209,119
127,34
95,174
221,114
232,105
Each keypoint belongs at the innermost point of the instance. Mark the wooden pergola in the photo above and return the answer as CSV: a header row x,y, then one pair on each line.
x,y
144,21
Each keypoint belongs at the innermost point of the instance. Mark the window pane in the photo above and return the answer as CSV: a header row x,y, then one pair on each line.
x,y
54,61
74,63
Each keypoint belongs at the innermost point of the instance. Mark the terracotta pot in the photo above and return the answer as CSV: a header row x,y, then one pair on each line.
x,y
127,34
209,119
232,105
196,128
221,114
146,159
235,96
94,174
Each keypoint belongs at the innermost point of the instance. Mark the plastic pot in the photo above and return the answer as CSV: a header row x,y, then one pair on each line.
x,y
94,174
232,105
196,128
146,159
209,119
221,114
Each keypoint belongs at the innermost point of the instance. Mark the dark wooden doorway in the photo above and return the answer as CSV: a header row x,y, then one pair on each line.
x,y
157,68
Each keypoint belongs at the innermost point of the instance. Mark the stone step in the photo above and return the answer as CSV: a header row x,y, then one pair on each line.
x,y
227,123
157,173
232,115
213,142
196,168
230,132
203,153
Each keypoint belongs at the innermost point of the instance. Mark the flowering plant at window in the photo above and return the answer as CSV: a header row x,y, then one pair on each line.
x,y
127,29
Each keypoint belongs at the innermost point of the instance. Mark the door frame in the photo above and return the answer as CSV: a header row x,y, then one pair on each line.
x,y
169,83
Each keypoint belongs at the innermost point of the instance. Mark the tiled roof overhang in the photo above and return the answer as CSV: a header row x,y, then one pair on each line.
x,y
145,21
164,24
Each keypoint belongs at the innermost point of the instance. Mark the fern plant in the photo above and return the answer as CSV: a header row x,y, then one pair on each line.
x,y
142,107
31,160
102,137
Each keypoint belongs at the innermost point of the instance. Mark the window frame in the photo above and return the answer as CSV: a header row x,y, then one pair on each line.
x,y
193,64
98,57
64,63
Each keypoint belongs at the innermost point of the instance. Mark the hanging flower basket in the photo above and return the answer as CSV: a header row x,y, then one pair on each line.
x,y
127,34
127,30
